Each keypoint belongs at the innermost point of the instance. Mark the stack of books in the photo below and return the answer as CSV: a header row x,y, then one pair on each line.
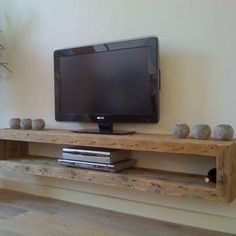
x,y
96,159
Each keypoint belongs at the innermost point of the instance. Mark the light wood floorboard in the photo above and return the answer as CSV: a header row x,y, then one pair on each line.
x,y
28,215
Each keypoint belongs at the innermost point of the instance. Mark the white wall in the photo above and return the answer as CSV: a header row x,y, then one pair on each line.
x,y
197,53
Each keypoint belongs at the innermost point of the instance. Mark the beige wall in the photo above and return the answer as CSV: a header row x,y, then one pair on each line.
x,y
197,53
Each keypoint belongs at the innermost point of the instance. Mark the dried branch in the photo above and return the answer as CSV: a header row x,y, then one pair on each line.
x,y
4,64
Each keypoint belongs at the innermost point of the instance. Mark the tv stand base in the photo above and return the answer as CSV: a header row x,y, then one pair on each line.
x,y
104,128
97,131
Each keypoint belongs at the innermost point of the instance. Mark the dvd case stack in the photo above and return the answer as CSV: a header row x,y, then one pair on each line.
x,y
96,159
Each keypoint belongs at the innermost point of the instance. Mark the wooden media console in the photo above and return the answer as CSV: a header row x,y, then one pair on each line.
x,y
15,157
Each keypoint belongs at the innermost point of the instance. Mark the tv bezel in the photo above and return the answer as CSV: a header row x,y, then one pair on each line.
x,y
151,42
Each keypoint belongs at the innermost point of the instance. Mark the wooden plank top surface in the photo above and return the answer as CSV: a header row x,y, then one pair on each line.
x,y
139,142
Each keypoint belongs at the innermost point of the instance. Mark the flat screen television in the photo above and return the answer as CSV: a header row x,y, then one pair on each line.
x,y
107,83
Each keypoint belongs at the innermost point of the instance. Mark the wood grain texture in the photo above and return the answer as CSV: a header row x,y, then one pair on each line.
x,y
226,172
160,182
3,149
139,142
232,172
22,148
16,142
14,148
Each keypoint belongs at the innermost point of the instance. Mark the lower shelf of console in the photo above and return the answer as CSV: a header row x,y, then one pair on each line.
x,y
160,182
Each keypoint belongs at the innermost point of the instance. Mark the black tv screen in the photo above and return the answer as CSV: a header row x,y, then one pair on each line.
x,y
116,81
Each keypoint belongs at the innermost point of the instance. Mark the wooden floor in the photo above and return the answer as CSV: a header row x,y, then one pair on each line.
x,y
23,214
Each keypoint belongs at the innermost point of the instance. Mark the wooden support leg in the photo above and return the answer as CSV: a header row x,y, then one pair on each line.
x,y
226,171
3,149
22,148
12,148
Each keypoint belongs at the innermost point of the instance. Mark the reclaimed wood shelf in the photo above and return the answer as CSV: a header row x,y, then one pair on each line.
x,y
135,178
14,155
